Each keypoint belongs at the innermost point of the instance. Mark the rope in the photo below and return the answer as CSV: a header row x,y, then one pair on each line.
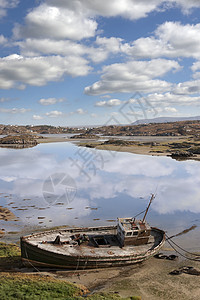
x,y
30,262
181,247
139,213
85,263
146,208
96,265
77,265
189,258
173,247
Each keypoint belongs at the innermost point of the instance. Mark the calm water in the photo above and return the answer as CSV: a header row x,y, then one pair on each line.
x,y
61,184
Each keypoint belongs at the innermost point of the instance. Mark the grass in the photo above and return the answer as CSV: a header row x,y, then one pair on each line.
x,y
10,256
9,250
104,296
35,287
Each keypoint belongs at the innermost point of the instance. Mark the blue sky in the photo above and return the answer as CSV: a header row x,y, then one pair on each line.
x,y
83,62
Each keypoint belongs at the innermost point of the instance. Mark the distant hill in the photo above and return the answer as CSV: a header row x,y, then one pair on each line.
x,y
165,120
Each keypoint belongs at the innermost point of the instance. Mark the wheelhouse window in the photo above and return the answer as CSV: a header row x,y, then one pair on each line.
x,y
129,233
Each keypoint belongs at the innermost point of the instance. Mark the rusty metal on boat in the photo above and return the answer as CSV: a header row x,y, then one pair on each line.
x,y
130,241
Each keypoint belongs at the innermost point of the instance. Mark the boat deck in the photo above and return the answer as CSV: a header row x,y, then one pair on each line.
x,y
44,241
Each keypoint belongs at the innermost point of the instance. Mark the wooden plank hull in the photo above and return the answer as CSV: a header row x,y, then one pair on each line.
x,y
34,255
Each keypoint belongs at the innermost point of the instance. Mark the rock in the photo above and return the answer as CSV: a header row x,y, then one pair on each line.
x,y
194,150
84,136
21,140
118,142
181,154
1,233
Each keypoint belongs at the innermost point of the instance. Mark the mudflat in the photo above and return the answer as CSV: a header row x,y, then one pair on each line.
x,y
150,280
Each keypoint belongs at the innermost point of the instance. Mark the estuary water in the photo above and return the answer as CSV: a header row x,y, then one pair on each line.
x,y
61,184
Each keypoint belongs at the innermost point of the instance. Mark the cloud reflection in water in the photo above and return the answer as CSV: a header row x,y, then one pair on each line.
x,y
116,189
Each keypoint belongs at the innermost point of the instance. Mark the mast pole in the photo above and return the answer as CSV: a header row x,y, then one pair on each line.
x,y
152,197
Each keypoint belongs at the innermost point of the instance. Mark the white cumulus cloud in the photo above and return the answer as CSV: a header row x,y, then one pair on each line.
x,y
54,22
196,69
97,52
171,39
79,111
3,40
140,76
15,110
187,88
54,114
170,98
109,103
37,117
186,5
130,9
6,4
38,71
50,101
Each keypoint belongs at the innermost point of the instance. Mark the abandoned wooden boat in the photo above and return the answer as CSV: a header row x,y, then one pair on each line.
x,y
130,241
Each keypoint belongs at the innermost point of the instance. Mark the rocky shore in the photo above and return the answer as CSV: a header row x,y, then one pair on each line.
x,y
180,149
18,141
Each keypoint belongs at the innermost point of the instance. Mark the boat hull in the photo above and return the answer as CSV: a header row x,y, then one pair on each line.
x,y
34,255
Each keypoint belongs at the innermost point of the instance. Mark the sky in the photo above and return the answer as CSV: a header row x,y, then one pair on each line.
x,y
97,62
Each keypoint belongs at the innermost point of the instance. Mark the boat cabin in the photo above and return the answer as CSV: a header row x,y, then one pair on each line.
x,y
132,232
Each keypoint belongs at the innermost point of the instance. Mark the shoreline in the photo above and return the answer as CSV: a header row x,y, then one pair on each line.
x,y
152,147
141,151
141,145
162,149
